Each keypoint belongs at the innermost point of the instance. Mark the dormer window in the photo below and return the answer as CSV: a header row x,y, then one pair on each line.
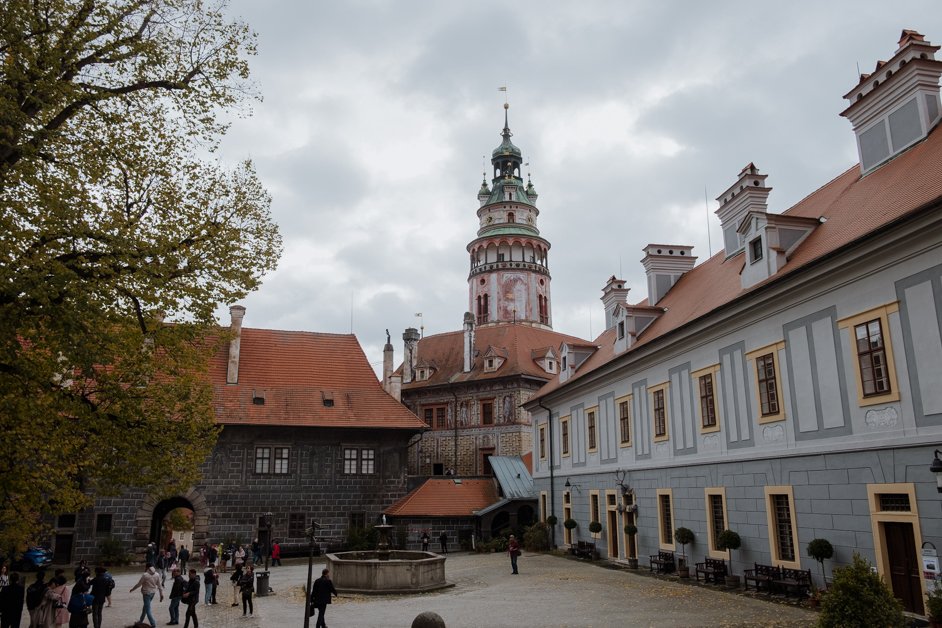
x,y
422,374
550,366
755,250
328,399
564,363
621,329
490,365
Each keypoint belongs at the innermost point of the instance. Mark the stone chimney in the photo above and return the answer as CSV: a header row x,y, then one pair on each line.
x,y
898,103
749,193
395,387
613,294
468,342
236,314
664,264
387,362
410,339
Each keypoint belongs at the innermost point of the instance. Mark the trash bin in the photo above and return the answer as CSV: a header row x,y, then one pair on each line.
x,y
261,583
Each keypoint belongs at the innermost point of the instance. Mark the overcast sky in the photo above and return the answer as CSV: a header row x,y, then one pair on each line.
x,y
376,115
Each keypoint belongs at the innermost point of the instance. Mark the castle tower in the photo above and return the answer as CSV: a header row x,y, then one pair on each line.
x,y
509,279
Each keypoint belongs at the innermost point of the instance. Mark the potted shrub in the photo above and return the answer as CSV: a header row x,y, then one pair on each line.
x,y
821,550
570,524
729,540
552,520
595,527
858,596
934,606
684,536
631,530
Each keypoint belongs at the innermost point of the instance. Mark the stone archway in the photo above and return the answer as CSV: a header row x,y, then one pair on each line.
x,y
153,509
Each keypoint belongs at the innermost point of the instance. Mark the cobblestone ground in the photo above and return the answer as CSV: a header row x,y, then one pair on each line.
x,y
550,591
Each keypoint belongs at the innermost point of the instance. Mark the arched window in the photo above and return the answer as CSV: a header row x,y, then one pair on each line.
x,y
510,217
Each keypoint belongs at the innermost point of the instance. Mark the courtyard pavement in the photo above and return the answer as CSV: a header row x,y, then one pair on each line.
x,y
550,591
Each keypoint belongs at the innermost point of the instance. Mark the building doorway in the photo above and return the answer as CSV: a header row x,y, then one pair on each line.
x,y
904,565
486,461
172,517
62,549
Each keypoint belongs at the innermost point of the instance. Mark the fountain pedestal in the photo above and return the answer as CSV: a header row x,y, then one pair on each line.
x,y
382,545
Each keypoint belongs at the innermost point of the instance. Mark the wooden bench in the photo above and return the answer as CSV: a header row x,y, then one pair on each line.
x,y
761,575
584,549
713,570
797,580
662,562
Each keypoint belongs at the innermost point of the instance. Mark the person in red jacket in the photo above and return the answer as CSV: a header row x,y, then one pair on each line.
x,y
275,554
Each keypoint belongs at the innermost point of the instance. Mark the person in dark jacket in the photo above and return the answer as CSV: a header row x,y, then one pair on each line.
x,y
11,602
191,597
176,594
320,596
443,539
78,618
101,588
247,587
184,556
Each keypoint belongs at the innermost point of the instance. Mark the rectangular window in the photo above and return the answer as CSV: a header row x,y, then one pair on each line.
x,y
707,401
783,537
65,521
543,506
755,250
487,412
621,329
665,516
436,416
768,391
263,460
357,519
591,430
542,442
594,512
894,502
367,458
716,520
281,460
567,515
564,435
660,414
350,461
624,422
103,524
296,524
871,354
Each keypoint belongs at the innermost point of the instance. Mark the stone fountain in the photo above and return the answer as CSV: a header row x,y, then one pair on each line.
x,y
386,571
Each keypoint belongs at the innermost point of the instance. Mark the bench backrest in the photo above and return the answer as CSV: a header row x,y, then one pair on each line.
x,y
664,555
767,570
713,563
799,575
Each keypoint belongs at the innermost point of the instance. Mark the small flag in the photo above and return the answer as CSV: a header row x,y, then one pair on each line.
x,y
502,88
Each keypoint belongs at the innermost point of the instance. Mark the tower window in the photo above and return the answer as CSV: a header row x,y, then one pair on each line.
x,y
510,217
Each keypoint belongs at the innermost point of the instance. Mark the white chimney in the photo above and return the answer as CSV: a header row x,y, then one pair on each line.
x,y
898,104
749,193
664,264
409,356
395,387
468,342
613,294
236,314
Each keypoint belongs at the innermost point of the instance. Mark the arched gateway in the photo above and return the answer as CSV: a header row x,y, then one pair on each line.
x,y
153,510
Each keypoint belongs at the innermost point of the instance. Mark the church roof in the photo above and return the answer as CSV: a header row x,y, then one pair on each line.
x,y
304,379
446,351
850,208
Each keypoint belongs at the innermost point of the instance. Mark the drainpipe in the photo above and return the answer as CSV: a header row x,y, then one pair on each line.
x,y
549,424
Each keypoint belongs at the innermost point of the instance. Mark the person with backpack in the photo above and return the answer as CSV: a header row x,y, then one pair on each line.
x,y
191,596
101,587
11,602
34,598
247,587
79,601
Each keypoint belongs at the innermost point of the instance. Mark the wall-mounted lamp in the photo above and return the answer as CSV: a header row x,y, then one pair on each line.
x,y
936,467
569,485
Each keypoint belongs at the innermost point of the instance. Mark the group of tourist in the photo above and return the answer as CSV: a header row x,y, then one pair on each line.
x,y
52,604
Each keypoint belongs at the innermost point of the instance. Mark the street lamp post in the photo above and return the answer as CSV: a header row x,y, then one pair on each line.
x,y
310,533
268,518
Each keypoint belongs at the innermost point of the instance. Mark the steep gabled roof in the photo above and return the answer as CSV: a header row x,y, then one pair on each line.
x,y
517,341
451,497
294,372
849,208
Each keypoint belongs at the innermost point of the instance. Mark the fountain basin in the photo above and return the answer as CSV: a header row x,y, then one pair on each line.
x,y
404,572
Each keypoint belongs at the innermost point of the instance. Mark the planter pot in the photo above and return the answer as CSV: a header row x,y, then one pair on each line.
x,y
683,572
732,582
632,563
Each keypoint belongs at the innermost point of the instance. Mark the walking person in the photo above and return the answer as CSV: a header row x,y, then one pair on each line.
x,y
239,556
256,552
101,588
320,596
183,556
78,603
35,593
162,565
178,585
443,539
513,548
247,587
425,541
234,578
275,554
209,581
150,585
191,597
12,597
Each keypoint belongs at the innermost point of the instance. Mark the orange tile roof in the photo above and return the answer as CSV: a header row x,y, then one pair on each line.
x,y
528,461
516,342
446,498
294,371
853,208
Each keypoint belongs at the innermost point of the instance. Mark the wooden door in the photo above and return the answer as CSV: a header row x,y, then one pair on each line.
x,y
904,565
613,534
62,552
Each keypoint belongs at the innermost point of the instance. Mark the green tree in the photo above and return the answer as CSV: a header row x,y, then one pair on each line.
x,y
120,234
859,597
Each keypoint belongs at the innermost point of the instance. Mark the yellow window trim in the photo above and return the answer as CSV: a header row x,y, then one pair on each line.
x,y
774,349
660,519
667,411
618,402
882,313
713,370
770,517
565,453
595,411
544,511
595,494
707,493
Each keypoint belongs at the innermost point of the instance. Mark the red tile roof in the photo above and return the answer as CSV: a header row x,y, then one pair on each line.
x,y
852,207
516,342
446,498
294,372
